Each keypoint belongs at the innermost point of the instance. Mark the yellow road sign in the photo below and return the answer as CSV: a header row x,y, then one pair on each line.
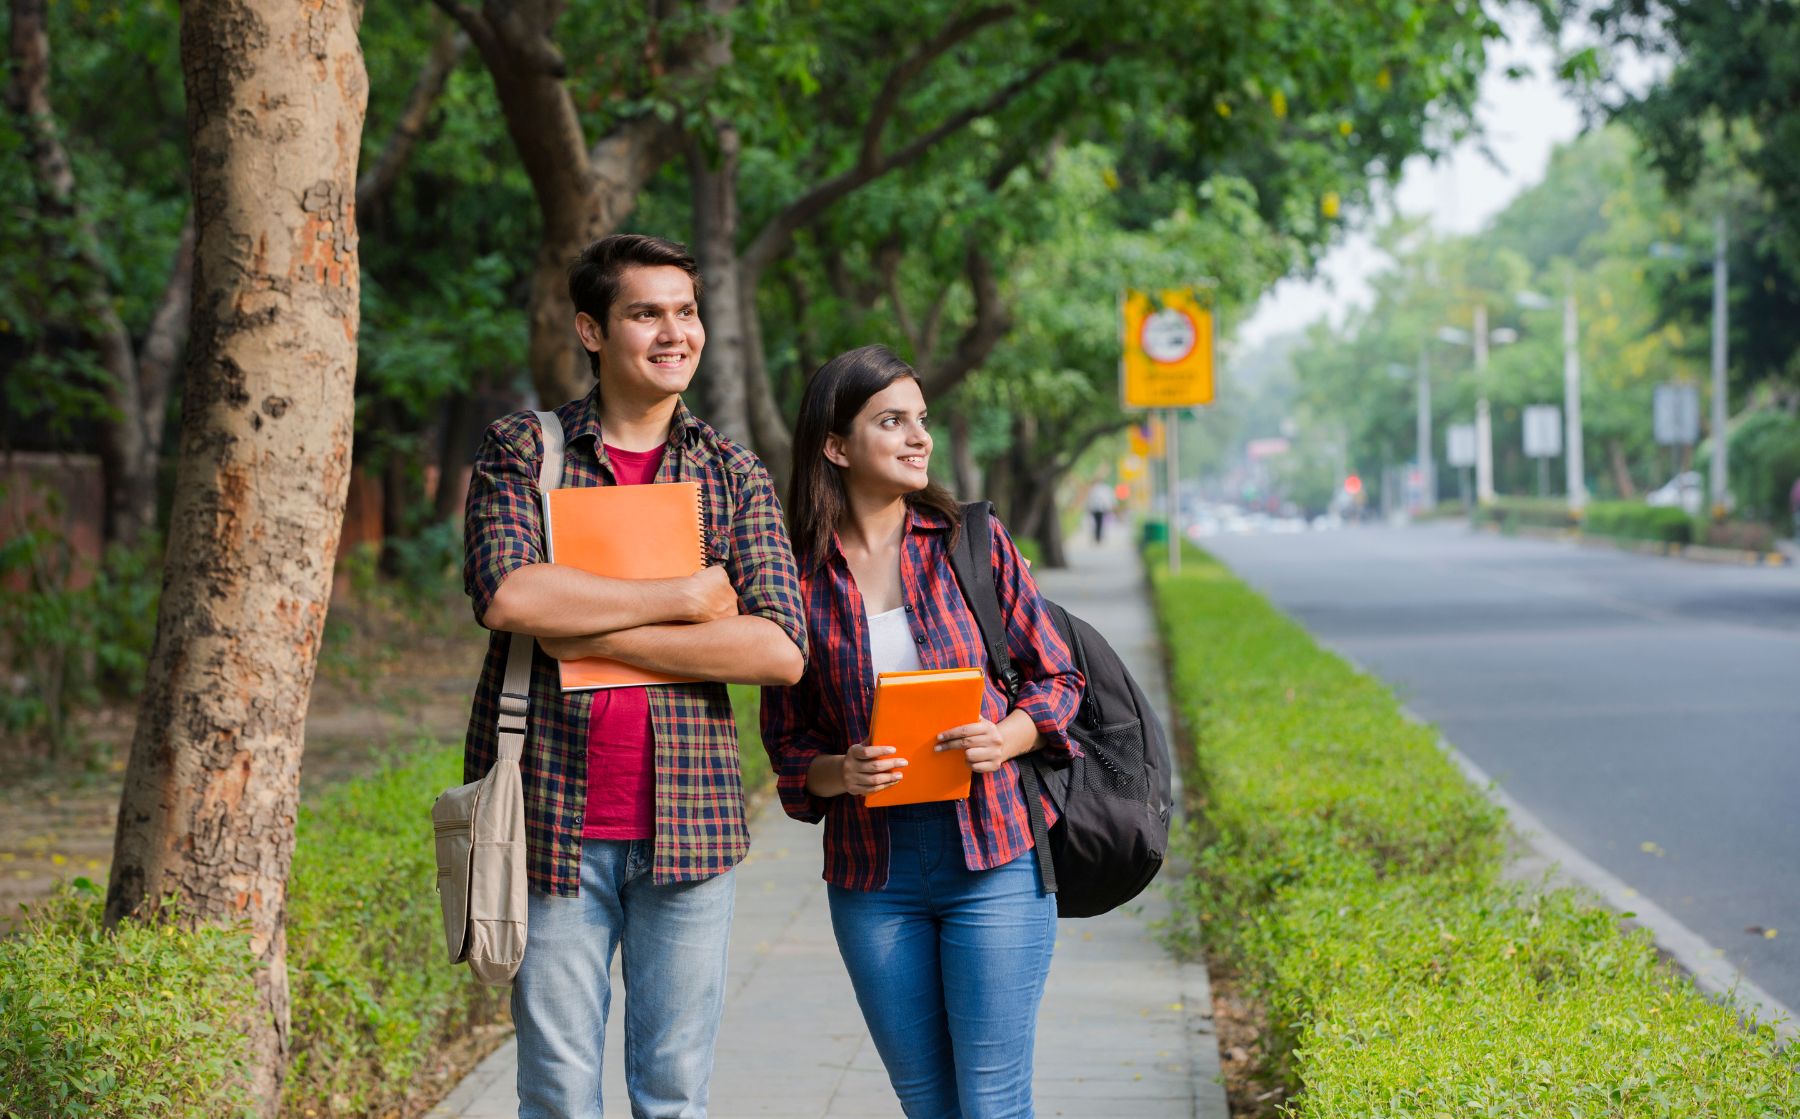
x,y
1168,343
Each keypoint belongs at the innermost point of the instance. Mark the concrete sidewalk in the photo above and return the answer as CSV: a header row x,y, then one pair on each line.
x,y
1125,1031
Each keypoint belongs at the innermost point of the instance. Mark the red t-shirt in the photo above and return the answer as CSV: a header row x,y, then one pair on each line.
x,y
621,749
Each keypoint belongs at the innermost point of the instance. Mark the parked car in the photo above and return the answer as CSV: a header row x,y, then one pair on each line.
x,y
1686,491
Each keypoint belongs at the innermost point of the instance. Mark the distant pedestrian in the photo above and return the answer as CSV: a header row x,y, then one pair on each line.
x,y
1794,507
1100,505
944,927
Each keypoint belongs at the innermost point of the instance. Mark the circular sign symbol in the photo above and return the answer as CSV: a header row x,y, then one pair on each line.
x,y
1168,336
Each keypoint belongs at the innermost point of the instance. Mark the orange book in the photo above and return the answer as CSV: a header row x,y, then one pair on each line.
x,y
624,532
911,710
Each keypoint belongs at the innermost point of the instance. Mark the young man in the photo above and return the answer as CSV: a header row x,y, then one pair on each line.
x,y
634,811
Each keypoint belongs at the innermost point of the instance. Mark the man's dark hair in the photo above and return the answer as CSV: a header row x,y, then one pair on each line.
x,y
594,275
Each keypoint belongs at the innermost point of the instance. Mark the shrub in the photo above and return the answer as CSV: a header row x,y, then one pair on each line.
x,y
1511,513
1352,879
373,996
1635,521
121,1025
73,632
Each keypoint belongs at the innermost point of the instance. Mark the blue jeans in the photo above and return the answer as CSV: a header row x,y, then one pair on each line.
x,y
949,966
674,940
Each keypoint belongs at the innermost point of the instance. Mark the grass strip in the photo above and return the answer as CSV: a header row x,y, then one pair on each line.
x,y
139,1022
1349,876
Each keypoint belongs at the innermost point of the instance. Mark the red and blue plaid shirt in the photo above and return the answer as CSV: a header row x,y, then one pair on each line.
x,y
828,710
700,828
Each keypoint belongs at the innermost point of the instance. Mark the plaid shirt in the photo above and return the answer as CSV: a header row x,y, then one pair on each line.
x,y
828,710
700,828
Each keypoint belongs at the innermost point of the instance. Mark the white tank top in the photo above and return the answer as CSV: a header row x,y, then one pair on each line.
x,y
891,644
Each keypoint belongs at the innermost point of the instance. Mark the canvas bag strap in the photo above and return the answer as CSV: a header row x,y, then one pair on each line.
x,y
972,563
515,691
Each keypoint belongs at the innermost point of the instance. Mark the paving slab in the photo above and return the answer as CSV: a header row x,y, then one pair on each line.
x,y
1125,1031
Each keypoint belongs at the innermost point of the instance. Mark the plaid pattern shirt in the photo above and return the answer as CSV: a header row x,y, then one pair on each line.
x,y
700,829
828,710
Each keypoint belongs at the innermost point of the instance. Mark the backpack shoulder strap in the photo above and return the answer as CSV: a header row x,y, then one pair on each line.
x,y
515,691
972,563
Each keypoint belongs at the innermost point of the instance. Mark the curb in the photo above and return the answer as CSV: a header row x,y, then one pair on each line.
x,y
1694,553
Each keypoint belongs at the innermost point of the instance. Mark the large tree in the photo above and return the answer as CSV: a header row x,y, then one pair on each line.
x,y
275,101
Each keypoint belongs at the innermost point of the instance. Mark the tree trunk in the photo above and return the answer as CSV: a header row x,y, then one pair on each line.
x,y
454,454
723,382
774,442
1621,470
275,100
1049,526
582,194
136,390
966,471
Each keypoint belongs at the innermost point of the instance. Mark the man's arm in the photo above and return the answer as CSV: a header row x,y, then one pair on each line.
x,y
740,650
555,600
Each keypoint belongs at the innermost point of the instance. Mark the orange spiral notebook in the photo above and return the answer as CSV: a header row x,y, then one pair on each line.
x,y
625,532
911,710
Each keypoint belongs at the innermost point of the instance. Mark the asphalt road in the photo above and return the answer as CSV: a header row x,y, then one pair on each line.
x,y
1646,709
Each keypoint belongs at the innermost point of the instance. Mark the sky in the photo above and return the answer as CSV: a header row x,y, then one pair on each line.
x,y
1522,121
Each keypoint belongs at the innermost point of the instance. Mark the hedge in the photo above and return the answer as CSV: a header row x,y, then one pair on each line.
x,y
1634,520
1352,879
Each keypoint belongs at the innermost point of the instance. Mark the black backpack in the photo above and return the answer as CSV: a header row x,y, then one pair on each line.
x,y
1114,800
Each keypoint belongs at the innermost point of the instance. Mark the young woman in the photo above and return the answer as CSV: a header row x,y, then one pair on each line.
x,y
943,925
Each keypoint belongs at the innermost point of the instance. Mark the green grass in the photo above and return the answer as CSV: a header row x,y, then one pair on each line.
x,y
1351,878
139,1022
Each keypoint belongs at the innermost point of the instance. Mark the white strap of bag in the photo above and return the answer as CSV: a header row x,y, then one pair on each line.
x,y
515,692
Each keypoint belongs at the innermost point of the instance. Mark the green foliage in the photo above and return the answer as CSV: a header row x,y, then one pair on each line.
x,y
125,1024
1633,520
746,710
1765,463
1526,512
1352,878
72,633
373,997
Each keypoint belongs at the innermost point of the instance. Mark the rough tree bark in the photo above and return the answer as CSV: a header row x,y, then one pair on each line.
x,y
137,381
582,192
713,177
275,98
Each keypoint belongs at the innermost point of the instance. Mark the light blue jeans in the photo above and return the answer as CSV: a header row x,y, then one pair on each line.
x,y
949,967
674,940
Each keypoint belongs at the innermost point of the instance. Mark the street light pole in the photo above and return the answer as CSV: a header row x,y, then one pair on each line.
x,y
1575,473
1720,406
1422,430
1484,428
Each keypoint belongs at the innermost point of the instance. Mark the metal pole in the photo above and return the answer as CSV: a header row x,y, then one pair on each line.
x,y
1720,407
1422,432
1484,427
1574,463
1171,438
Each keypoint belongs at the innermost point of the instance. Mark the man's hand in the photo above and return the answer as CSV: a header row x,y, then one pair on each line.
x,y
709,596
574,648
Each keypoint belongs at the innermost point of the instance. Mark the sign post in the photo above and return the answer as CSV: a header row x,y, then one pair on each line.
x,y
1460,450
1543,439
1167,363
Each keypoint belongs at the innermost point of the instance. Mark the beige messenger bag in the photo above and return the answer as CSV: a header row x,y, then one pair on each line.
x,y
480,827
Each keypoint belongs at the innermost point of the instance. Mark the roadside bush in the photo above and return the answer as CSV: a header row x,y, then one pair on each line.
x,y
373,996
70,633
1636,521
1510,513
1351,878
121,1025
1752,536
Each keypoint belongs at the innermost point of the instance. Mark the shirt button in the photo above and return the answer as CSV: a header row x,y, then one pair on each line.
x,y
919,638
909,609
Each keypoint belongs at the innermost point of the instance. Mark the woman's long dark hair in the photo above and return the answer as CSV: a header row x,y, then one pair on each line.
x,y
835,393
